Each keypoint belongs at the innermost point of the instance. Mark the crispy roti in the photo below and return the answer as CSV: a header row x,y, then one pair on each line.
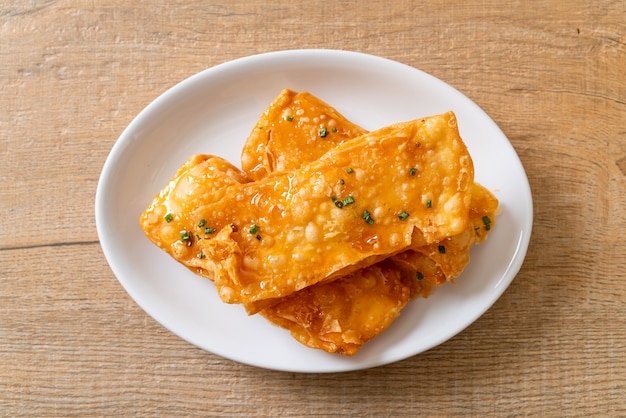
x,y
341,316
294,129
286,231
307,313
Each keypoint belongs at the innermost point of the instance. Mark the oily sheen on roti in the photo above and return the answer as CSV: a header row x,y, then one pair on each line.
x,y
298,127
284,232
338,314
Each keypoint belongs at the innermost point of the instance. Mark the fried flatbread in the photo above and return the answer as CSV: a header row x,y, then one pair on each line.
x,y
286,232
289,132
340,313
341,316
294,129
443,261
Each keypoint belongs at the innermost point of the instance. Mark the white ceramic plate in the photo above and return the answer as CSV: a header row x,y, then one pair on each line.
x,y
213,112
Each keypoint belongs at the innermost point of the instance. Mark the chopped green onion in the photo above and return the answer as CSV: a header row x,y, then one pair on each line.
x,y
419,275
184,235
202,223
209,230
254,229
429,203
442,249
337,203
348,201
323,132
200,255
349,170
341,203
168,218
258,237
334,129
289,118
412,172
403,215
342,182
487,223
368,217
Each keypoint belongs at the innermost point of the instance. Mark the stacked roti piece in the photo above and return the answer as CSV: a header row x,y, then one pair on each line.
x,y
329,230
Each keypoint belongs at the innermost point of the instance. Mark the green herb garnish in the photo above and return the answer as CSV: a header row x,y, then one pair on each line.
x,y
337,203
168,218
254,229
412,171
442,249
403,215
348,201
368,217
419,275
209,230
487,223
323,132
429,203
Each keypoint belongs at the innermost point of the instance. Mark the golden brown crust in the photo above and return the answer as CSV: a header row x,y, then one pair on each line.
x,y
300,236
296,128
420,270
296,244
341,316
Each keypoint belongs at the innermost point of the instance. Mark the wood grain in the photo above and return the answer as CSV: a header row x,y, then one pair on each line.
x,y
74,74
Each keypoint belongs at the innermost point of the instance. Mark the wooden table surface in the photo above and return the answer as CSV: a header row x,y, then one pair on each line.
x,y
552,75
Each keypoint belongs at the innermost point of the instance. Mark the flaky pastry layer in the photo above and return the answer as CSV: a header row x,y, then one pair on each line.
x,y
286,232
